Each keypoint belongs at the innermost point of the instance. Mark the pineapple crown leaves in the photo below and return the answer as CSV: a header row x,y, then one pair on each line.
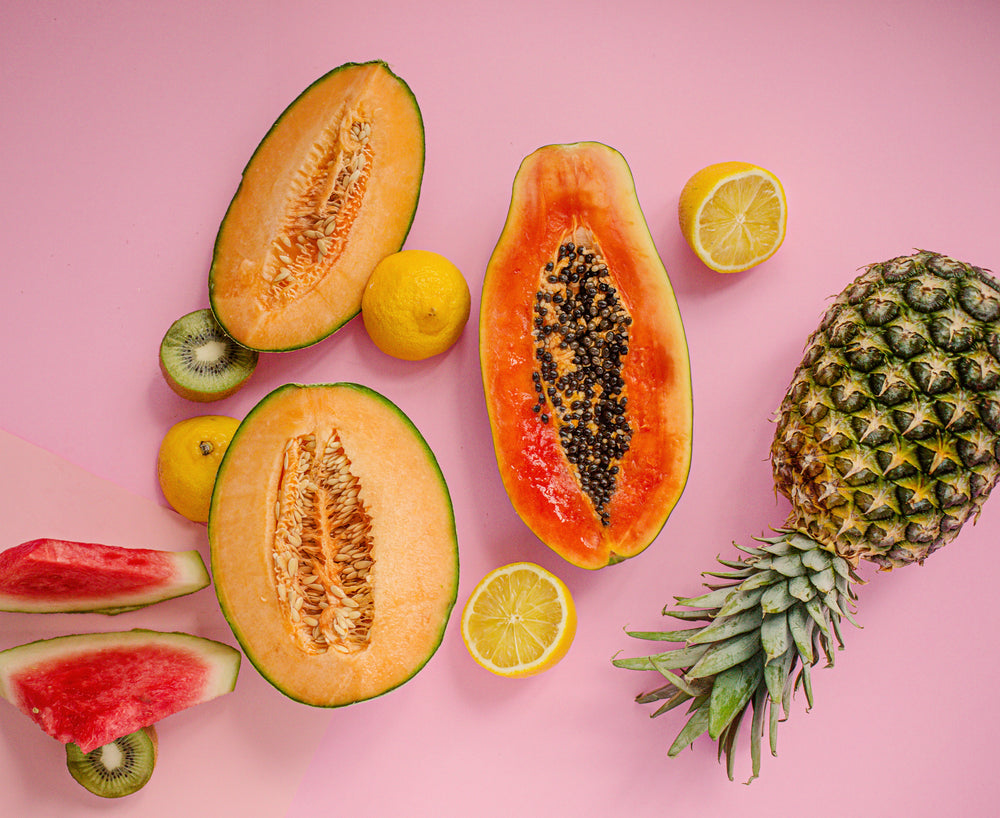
x,y
764,622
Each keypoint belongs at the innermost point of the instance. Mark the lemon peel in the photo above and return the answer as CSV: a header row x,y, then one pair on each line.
x,y
415,305
188,462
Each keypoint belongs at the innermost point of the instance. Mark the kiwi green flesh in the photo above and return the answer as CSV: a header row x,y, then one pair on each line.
x,y
116,769
200,362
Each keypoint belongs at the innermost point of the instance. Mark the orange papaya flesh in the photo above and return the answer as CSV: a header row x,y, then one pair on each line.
x,y
584,359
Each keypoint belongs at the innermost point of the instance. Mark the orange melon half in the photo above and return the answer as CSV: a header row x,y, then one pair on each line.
x,y
330,191
333,543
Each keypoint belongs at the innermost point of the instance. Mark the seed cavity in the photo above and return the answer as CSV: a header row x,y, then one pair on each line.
x,y
581,338
330,189
321,556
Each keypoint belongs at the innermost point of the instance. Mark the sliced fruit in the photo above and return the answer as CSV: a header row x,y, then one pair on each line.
x,y
92,688
519,620
120,768
189,459
334,550
200,362
415,304
61,576
329,192
584,359
733,215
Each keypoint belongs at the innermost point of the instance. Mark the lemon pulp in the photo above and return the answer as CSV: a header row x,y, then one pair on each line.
x,y
733,215
519,620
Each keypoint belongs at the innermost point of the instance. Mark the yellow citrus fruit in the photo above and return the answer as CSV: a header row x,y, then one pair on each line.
x,y
415,304
189,459
733,215
519,620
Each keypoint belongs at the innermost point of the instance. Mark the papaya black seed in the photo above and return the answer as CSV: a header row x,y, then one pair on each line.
x,y
580,348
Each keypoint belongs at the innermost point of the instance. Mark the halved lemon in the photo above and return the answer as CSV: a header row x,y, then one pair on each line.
x,y
519,620
733,215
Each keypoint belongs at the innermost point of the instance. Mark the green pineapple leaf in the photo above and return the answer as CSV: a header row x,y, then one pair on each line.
x,y
731,692
801,627
695,726
671,659
665,636
775,635
777,598
792,565
725,626
713,599
741,601
776,674
723,655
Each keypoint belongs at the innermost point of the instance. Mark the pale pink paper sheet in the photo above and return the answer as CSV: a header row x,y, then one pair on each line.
x,y
212,756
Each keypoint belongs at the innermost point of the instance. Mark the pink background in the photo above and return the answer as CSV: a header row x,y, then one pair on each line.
x,y
124,128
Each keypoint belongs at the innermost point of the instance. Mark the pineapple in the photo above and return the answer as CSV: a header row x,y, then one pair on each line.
x,y
886,444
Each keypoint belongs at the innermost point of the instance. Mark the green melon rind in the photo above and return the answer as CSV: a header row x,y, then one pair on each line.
x,y
432,463
220,235
223,659
192,575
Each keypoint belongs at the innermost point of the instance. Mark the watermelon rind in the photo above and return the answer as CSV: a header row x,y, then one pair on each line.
x,y
123,715
190,575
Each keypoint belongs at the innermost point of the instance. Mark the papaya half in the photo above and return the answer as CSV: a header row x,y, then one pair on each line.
x,y
584,359
330,191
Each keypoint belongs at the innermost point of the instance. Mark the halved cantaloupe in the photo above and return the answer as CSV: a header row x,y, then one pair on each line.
x,y
333,543
330,191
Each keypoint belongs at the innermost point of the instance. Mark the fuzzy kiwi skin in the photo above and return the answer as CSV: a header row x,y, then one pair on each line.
x,y
76,763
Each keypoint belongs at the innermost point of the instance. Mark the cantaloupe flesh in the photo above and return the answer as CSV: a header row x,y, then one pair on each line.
x,y
246,244
558,190
415,572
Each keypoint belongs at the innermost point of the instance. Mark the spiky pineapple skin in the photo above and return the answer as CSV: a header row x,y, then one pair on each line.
x,y
887,438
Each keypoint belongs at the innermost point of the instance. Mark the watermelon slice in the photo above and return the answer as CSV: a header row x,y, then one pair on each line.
x,y
91,689
59,576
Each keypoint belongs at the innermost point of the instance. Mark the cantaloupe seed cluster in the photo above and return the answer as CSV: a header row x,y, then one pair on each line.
x,y
322,552
330,190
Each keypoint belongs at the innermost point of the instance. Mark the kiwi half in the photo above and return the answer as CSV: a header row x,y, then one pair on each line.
x,y
202,363
116,769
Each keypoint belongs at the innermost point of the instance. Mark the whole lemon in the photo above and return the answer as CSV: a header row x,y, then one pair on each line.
x,y
415,305
189,459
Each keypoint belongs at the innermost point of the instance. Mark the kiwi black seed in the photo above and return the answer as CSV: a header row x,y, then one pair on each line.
x,y
201,362
116,769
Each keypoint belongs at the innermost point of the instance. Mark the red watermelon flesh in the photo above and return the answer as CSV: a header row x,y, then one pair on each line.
x,y
49,575
90,689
